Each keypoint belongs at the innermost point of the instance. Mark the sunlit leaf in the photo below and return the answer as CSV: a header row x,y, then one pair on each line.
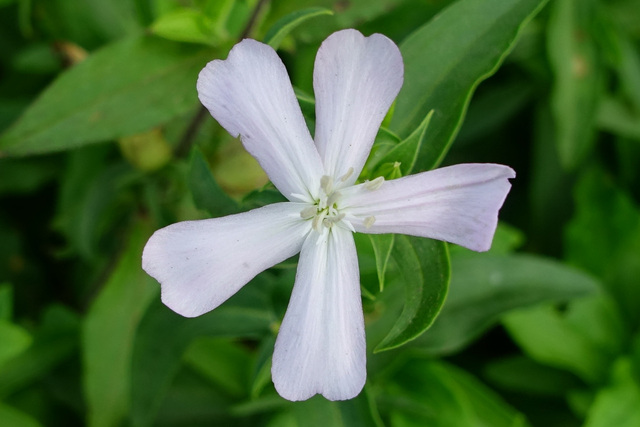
x,y
583,339
618,404
186,25
13,340
13,417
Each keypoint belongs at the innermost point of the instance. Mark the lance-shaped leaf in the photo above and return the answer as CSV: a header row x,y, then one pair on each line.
x,y
382,247
406,153
443,67
287,23
485,287
424,267
578,78
125,88
108,335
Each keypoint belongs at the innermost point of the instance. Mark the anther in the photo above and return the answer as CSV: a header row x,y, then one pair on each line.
x,y
333,198
369,221
318,220
326,183
375,184
308,212
346,176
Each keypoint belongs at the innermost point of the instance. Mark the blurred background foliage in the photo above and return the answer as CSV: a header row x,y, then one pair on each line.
x,y
103,141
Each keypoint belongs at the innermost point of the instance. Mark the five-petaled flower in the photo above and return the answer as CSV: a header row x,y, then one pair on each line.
x,y
320,346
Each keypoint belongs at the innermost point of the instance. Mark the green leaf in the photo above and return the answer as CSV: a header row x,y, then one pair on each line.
x,y
583,339
13,340
109,331
522,375
484,287
12,417
125,88
186,25
619,403
444,66
320,412
55,340
382,247
222,362
604,238
424,268
287,23
432,393
164,336
406,152
578,78
616,117
206,192
6,301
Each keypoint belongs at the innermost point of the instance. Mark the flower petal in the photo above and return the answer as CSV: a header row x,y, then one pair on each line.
x,y
250,95
458,204
321,344
200,264
355,81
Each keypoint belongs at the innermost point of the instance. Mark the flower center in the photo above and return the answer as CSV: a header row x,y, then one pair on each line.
x,y
325,212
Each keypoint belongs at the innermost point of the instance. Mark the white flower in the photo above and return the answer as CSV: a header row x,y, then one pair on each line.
x,y
320,347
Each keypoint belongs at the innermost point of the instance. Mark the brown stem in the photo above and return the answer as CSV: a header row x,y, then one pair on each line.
x,y
187,138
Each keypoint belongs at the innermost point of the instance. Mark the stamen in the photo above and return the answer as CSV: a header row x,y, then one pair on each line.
x,y
333,198
375,184
318,220
308,212
346,176
326,183
330,220
369,221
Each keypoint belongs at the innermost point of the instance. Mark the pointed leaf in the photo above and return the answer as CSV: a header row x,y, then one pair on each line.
x,y
127,87
406,153
13,340
443,67
573,56
382,246
164,336
424,267
486,286
287,23
109,332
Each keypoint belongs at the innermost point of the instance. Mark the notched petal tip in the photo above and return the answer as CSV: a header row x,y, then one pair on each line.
x,y
321,346
200,264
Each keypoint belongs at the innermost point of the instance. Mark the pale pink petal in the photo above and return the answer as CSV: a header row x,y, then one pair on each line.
x,y
457,204
355,81
250,95
200,264
321,344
